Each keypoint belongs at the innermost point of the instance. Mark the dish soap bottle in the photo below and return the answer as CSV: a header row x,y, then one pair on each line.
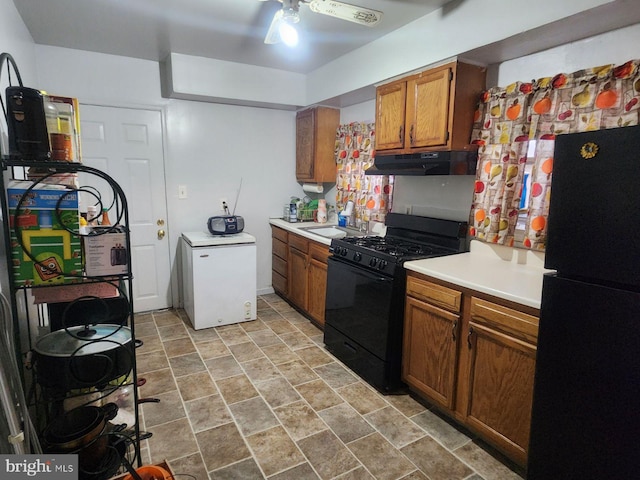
x,y
322,211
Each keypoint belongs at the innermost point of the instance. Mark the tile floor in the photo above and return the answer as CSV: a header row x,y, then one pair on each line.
x,y
264,399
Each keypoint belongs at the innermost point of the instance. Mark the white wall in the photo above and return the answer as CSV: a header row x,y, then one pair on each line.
x,y
211,148
208,147
450,197
614,47
15,40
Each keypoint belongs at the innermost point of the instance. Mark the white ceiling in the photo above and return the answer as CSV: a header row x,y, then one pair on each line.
x,y
231,30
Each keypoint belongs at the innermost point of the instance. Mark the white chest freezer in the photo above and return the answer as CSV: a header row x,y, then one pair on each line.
x,y
219,278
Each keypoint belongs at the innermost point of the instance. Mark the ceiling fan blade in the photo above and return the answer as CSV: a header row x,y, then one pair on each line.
x,y
273,34
344,11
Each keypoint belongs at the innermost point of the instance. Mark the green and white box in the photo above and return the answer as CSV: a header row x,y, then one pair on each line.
x,y
44,221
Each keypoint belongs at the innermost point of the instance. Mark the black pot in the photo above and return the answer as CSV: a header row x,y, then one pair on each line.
x,y
83,356
82,430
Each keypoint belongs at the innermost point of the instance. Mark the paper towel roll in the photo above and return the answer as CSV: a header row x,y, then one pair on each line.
x,y
312,187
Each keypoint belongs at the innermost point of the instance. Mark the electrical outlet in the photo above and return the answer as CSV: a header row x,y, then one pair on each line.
x,y
247,310
223,204
182,191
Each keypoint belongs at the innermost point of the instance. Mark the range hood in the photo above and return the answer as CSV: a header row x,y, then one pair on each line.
x,y
426,163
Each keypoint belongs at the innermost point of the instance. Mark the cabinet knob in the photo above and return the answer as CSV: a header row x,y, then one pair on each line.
x,y
161,234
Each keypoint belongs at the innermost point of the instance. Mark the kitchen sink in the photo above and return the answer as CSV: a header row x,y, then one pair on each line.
x,y
333,231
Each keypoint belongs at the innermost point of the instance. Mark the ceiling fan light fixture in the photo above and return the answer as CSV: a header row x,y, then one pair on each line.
x,y
290,14
288,33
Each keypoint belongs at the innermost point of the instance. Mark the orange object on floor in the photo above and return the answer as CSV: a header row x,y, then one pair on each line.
x,y
151,472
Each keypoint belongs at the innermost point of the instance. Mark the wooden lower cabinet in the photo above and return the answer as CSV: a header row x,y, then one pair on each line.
x,y
298,271
302,277
317,281
474,358
430,346
280,260
501,369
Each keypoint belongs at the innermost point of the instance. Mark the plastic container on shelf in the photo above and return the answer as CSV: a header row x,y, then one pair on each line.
x,y
92,215
105,218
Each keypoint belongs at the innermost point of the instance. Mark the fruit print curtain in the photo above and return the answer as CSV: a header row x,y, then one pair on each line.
x,y
371,194
507,119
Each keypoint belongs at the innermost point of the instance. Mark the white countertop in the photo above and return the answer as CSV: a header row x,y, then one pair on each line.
x,y
507,273
296,227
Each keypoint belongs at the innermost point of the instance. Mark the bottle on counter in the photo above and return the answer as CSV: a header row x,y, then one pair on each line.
x,y
322,211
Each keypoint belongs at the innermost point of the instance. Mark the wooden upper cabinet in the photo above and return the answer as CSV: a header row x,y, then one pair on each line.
x,y
431,110
428,109
390,115
315,144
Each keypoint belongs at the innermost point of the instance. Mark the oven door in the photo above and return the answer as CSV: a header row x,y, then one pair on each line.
x,y
363,322
359,305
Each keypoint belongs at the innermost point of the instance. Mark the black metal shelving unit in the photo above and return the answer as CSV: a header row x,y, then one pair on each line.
x,y
31,321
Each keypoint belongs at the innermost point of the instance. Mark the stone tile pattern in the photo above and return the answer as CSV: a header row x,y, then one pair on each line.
x,y
264,399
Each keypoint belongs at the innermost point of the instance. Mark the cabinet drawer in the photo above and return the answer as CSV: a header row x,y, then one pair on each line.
x,y
280,234
319,252
299,243
279,283
437,294
279,265
279,248
505,319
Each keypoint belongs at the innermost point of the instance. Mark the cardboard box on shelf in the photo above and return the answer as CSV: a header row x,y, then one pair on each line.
x,y
63,126
44,248
106,253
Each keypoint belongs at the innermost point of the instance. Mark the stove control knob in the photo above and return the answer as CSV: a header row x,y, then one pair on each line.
x,y
373,262
357,257
382,264
344,252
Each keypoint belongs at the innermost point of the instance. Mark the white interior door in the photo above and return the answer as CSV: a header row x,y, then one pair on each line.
x,y
127,144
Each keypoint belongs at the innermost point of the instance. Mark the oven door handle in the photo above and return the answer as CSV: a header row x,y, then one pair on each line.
x,y
362,271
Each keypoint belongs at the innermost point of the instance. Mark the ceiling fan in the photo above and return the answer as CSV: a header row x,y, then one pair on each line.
x,y
282,29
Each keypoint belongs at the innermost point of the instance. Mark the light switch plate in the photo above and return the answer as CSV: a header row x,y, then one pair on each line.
x,y
182,191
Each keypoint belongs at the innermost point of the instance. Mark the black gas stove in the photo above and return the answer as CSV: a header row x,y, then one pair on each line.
x,y
364,310
408,237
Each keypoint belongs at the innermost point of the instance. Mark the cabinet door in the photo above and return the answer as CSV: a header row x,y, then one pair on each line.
x,y
390,116
305,144
317,289
429,351
428,99
501,372
298,262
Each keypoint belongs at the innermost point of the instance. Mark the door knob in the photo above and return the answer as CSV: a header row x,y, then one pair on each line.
x,y
160,222
161,234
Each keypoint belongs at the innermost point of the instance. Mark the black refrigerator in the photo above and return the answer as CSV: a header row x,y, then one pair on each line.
x,y
586,404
